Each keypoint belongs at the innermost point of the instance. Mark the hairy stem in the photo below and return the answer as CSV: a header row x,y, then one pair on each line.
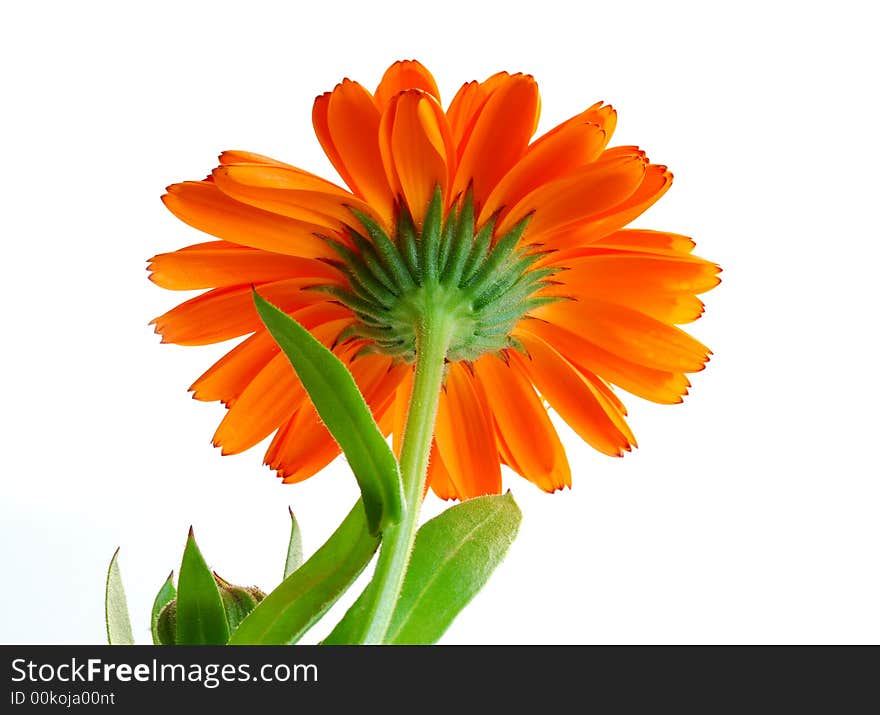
x,y
432,342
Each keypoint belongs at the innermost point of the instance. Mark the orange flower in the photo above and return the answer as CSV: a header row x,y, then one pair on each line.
x,y
558,296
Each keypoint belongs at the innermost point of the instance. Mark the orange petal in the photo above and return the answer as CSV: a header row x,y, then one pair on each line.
x,y
466,105
577,399
401,407
656,385
219,264
499,136
236,156
348,121
274,394
465,437
203,206
657,181
226,313
662,286
526,430
575,198
645,240
557,153
416,148
439,479
601,114
271,398
322,131
288,192
227,378
303,446
403,75
629,334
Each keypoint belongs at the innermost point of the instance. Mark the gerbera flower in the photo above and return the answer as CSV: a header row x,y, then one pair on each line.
x,y
520,243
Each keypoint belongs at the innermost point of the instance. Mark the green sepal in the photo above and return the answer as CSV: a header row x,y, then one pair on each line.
x,y
408,242
344,412
294,547
352,301
116,606
430,241
166,624
367,253
201,618
453,557
387,251
447,240
479,251
462,242
165,595
497,258
521,310
238,601
511,289
303,597
369,286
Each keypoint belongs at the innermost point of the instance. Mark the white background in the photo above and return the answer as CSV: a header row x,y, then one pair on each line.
x,y
749,514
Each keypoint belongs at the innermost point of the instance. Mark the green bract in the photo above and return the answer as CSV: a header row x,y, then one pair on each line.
x,y
116,607
199,615
482,283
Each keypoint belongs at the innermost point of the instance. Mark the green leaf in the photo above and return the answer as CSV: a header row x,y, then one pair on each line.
x,y
294,547
163,598
453,557
343,410
116,607
201,618
304,596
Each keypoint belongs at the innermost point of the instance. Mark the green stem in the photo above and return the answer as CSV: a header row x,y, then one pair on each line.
x,y
432,343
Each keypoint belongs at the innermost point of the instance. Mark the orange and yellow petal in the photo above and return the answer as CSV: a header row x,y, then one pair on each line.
x,y
657,181
591,191
629,334
465,437
271,396
225,313
439,480
346,121
638,239
659,285
289,192
227,378
558,153
467,103
219,264
523,425
303,446
203,206
417,149
401,76
499,136
580,399
659,386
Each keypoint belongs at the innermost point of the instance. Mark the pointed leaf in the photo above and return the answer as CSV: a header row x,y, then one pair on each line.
x,y
116,607
343,410
453,557
163,598
201,618
303,597
294,547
